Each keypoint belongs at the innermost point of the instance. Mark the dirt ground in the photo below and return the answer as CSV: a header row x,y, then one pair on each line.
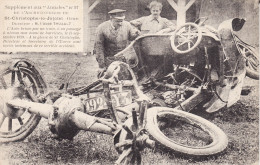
x,y
240,122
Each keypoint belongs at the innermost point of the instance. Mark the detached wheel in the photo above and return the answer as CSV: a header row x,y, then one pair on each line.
x,y
23,78
252,62
185,132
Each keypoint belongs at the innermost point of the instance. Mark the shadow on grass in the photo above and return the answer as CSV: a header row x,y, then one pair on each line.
x,y
86,148
188,158
239,112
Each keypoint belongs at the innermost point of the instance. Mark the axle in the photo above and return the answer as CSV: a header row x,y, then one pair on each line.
x,y
65,115
75,117
40,109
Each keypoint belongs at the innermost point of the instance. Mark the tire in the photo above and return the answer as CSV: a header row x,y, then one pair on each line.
x,y
252,61
18,128
167,117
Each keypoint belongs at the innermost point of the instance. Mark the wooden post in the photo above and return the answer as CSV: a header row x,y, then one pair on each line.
x,y
181,8
88,8
256,3
86,38
181,12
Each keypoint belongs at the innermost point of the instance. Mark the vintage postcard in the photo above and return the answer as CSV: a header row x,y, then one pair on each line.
x,y
129,82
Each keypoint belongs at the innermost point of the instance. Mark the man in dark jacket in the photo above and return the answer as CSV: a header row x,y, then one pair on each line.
x,y
112,37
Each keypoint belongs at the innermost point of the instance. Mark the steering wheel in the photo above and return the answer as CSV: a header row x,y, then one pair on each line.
x,y
186,38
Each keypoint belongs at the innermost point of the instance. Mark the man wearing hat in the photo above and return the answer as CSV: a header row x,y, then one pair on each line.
x,y
113,36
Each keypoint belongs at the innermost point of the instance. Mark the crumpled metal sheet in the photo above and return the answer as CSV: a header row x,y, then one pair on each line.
x,y
233,62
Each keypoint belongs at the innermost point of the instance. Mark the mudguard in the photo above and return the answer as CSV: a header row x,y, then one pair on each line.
x,y
228,91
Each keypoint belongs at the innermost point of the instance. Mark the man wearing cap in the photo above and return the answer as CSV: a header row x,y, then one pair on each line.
x,y
113,36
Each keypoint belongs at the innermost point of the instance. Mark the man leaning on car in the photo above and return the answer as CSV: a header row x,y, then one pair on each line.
x,y
112,37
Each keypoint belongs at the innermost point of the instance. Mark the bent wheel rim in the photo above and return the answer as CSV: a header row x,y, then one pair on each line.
x,y
252,62
184,131
216,143
13,129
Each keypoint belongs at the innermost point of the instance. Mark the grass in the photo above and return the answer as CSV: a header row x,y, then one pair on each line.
x,y
240,122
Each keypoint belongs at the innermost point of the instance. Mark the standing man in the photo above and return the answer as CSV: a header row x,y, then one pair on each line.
x,y
112,37
154,23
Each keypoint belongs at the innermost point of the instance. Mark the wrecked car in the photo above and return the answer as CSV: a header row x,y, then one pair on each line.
x,y
196,64
144,101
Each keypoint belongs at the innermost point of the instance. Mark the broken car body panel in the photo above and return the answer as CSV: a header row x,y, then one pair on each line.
x,y
152,58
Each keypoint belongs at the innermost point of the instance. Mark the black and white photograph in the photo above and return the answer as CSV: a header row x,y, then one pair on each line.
x,y
160,82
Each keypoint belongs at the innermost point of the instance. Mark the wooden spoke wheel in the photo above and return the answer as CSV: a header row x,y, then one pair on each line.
x,y
20,80
252,62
